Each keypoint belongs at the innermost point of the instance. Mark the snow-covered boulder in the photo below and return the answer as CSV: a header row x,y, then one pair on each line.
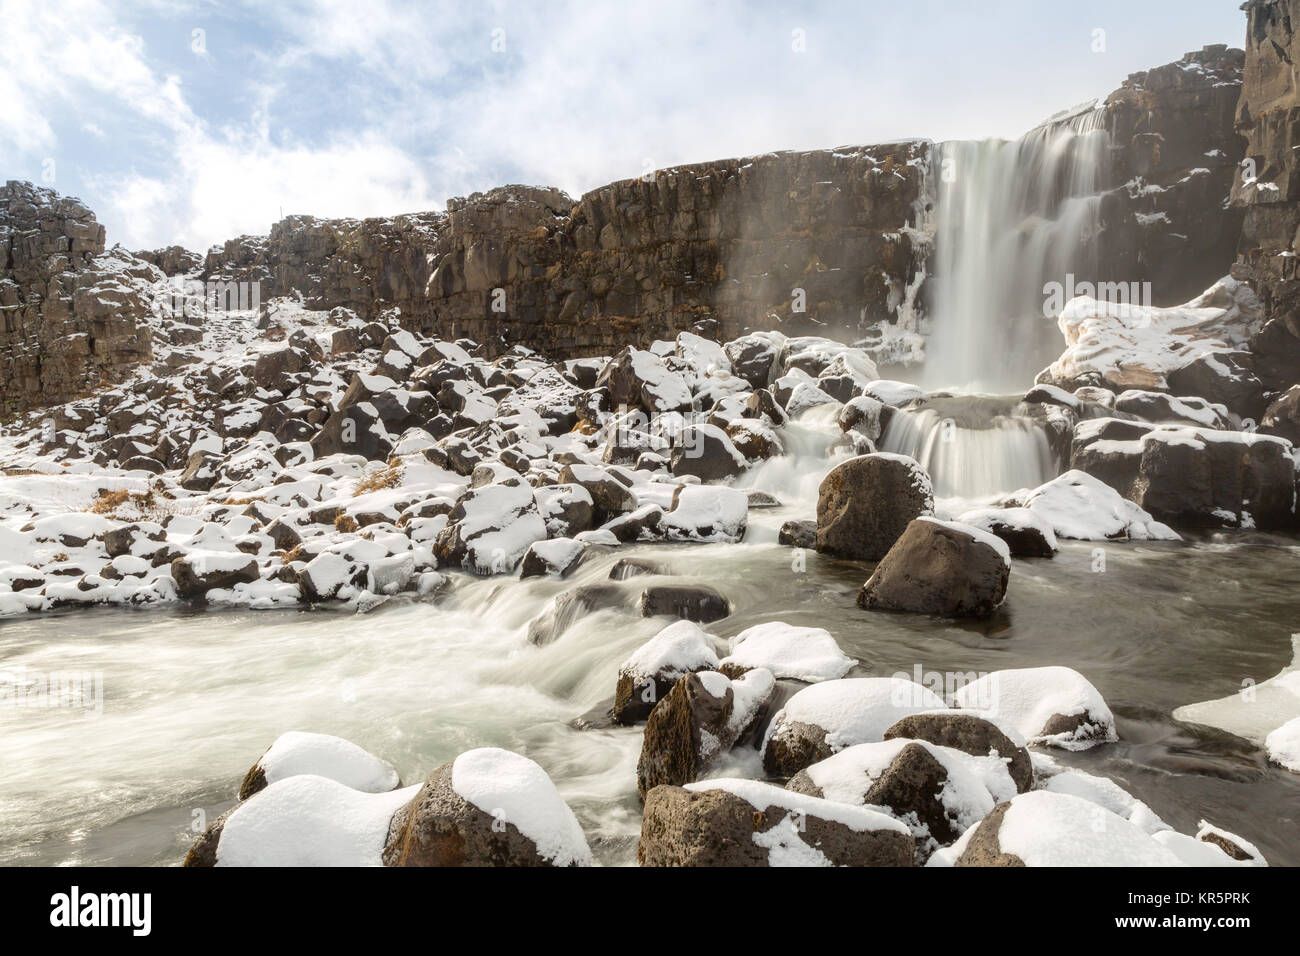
x,y
798,653
706,513
488,807
866,503
650,672
1025,533
970,734
940,567
1190,475
334,758
1077,505
609,496
553,558
301,820
700,719
1040,828
731,822
707,452
639,378
1052,706
1123,346
1283,745
943,792
491,528
200,571
863,414
824,718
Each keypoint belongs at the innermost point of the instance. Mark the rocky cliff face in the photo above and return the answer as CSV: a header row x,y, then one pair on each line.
x,y
1176,151
72,316
722,247
831,242
1268,186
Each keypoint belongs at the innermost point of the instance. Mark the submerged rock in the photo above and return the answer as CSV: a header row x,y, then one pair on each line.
x,y
691,602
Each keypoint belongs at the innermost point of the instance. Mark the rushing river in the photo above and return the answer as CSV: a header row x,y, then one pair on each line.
x,y
191,698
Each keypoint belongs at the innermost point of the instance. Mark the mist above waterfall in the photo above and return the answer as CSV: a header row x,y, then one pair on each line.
x,y
1011,216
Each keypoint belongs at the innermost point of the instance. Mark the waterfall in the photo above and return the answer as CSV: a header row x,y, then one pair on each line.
x,y
972,447
1011,216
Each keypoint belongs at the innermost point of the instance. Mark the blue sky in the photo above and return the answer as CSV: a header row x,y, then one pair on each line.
x,y
193,122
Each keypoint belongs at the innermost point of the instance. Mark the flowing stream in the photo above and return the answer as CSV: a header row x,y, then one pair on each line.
x,y
191,698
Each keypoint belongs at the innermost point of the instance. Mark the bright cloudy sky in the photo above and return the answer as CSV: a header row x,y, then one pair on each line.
x,y
192,122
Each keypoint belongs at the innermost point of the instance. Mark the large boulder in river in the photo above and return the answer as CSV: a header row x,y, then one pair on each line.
x,y
940,567
1191,476
865,504
488,807
729,822
702,716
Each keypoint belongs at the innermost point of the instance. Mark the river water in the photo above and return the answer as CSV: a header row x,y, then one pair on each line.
x,y
191,697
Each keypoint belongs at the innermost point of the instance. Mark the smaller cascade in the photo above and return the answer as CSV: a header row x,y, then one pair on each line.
x,y
972,446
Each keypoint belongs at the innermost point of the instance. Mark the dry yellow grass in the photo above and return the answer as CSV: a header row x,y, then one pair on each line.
x,y
389,477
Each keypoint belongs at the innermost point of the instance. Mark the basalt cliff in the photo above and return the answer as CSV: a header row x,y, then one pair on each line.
x,y
834,242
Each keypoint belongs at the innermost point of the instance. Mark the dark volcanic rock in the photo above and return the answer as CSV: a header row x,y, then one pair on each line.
x,y
439,827
866,503
714,827
686,730
939,569
692,602
969,734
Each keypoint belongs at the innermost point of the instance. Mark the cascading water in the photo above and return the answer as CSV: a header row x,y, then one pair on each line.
x,y
972,447
1010,217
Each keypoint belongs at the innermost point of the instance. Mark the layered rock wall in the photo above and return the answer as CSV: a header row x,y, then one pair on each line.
x,y
1268,186
720,247
1176,151
72,316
